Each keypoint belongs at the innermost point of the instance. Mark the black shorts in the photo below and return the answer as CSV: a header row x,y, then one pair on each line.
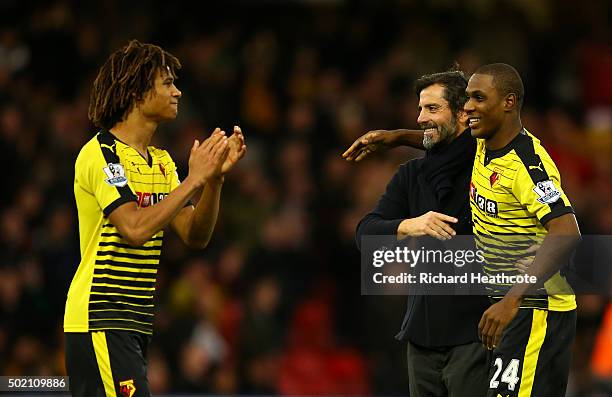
x,y
107,363
533,356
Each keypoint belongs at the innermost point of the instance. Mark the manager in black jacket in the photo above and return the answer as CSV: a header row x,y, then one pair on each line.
x,y
429,197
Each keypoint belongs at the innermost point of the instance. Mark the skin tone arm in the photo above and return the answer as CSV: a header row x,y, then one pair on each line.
x,y
195,225
375,140
563,236
138,225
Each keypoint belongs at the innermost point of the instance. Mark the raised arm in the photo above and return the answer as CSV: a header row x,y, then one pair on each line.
x,y
138,225
195,225
375,140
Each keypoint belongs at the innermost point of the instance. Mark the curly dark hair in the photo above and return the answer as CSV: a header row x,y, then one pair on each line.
x,y
124,79
454,83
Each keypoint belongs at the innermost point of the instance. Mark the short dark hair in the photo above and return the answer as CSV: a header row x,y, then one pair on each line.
x,y
454,83
126,76
505,79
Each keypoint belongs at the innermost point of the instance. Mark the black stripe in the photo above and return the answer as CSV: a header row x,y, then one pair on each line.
x,y
490,155
122,315
138,294
117,305
127,246
118,300
121,325
98,296
502,226
118,290
518,217
117,203
128,283
119,235
512,234
507,248
127,255
108,148
132,265
112,272
525,150
518,243
151,183
556,213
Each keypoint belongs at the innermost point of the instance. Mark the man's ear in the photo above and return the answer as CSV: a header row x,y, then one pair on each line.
x,y
510,102
462,117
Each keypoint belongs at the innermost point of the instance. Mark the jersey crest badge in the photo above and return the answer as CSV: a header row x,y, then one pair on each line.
x,y
127,388
493,178
547,192
116,175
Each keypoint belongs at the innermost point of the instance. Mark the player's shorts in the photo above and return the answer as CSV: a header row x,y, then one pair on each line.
x,y
533,356
107,363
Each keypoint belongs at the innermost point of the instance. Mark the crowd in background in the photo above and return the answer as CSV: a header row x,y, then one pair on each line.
x,y
273,305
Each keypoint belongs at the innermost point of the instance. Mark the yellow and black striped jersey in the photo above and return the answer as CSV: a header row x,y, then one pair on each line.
x,y
514,191
114,284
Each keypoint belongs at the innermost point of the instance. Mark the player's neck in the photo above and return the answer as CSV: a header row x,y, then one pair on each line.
x,y
504,136
135,131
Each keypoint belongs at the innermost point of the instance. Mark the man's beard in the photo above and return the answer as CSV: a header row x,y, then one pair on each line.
x,y
444,130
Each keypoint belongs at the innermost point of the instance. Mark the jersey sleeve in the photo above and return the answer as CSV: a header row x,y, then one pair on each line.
x,y
537,186
103,176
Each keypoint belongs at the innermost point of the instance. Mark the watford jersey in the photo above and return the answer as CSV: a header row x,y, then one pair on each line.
x,y
114,284
514,191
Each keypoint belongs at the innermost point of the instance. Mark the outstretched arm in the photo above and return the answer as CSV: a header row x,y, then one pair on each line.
x,y
375,140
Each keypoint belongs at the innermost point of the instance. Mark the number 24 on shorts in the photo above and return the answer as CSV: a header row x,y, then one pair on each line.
x,y
509,376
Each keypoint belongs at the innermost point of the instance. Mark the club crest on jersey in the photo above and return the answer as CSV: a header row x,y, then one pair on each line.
x,y
116,175
127,388
485,204
493,178
547,192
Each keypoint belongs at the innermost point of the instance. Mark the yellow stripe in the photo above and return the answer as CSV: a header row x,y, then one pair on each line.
x,y
101,350
532,351
122,287
126,269
136,261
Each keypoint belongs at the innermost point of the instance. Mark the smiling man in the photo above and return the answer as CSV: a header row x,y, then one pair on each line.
x,y
428,197
516,200
127,193
517,204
